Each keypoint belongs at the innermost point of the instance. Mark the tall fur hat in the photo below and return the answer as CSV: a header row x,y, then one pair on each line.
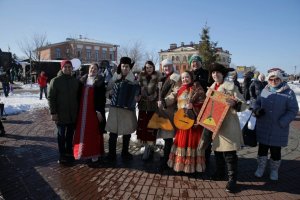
x,y
125,60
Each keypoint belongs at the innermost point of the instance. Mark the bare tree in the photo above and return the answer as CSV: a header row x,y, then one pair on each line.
x,y
134,50
153,56
30,47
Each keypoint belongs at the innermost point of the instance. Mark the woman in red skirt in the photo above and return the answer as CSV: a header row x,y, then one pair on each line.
x,y
148,80
88,138
184,156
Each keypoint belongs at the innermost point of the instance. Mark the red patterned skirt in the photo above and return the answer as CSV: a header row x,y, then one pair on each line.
x,y
184,156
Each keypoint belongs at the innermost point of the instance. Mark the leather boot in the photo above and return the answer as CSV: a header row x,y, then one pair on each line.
x,y
112,147
125,150
167,150
231,162
220,167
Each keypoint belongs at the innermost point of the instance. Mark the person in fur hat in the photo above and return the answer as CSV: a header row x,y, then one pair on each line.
x,y
63,100
228,139
275,108
121,121
148,80
171,82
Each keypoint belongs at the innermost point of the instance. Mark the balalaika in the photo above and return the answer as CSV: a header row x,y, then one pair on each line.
x,y
124,94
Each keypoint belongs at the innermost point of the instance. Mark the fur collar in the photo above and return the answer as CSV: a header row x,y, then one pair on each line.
x,y
130,77
225,87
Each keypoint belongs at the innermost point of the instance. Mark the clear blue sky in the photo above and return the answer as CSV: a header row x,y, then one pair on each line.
x,y
263,33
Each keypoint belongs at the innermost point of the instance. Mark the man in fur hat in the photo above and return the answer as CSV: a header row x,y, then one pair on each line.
x,y
121,120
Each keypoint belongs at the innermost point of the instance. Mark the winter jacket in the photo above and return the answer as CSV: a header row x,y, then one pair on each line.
x,y
63,98
229,136
149,92
99,95
280,108
42,80
246,92
256,87
121,121
202,76
169,91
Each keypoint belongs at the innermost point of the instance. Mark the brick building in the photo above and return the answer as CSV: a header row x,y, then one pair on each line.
x,y
86,50
180,55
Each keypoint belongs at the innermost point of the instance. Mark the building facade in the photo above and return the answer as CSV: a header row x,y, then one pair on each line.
x,y
86,50
180,55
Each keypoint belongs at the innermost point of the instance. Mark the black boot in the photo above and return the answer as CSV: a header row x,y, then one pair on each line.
x,y
2,132
231,162
112,146
167,150
125,150
220,167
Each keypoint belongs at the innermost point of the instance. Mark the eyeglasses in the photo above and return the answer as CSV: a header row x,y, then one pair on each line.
x,y
274,79
68,66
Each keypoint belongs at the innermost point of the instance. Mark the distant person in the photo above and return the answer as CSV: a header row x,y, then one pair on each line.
x,y
256,87
88,138
247,82
5,84
42,81
236,82
276,107
63,99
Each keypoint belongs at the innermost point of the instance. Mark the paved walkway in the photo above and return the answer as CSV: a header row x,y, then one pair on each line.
x,y
29,170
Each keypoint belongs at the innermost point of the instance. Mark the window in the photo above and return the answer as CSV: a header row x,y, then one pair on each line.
x,y
57,53
104,51
173,58
111,54
184,59
88,55
177,58
78,53
97,55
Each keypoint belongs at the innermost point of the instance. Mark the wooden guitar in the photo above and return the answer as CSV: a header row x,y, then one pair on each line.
x,y
181,119
158,122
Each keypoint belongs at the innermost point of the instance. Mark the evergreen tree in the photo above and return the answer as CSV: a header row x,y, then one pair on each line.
x,y
207,49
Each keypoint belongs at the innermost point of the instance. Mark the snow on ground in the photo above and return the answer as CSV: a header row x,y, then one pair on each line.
x,y
28,101
23,101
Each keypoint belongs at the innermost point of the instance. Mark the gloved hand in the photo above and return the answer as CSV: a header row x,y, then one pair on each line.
x,y
259,112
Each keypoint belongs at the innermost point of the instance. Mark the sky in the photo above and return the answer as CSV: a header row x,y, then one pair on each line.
x,y
263,34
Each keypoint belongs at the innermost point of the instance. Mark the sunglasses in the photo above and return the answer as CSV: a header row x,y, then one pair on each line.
x,y
274,79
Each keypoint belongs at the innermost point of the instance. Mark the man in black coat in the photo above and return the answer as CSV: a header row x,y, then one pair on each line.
x,y
201,76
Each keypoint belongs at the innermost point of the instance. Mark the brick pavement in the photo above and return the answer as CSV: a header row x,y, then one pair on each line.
x,y
29,170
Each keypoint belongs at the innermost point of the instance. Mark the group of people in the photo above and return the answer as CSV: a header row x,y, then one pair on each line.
x,y
78,109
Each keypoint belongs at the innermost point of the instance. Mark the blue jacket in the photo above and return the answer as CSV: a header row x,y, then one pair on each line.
x,y
281,107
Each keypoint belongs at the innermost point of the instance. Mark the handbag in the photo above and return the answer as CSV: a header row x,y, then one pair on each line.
x,y
249,135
